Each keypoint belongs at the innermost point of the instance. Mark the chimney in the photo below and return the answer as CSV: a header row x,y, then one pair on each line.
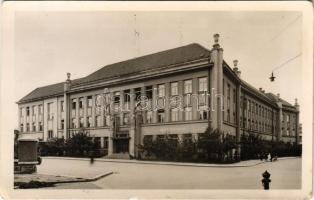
x,y
260,89
278,95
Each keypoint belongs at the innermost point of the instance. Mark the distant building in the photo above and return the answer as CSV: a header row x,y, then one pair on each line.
x,y
190,76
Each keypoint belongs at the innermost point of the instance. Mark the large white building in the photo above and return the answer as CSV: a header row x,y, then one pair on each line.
x,y
190,76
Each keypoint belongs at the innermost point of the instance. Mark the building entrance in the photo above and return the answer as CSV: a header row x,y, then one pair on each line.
x,y
121,145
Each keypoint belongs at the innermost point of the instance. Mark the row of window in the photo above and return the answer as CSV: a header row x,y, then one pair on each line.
x,y
105,121
35,109
227,99
35,127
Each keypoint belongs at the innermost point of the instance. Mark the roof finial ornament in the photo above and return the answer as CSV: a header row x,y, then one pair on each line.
x,y
216,40
296,102
68,76
235,64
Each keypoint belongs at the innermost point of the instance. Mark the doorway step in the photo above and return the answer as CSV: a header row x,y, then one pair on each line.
x,y
125,156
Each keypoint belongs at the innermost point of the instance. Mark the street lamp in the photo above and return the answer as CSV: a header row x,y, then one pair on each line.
x,y
272,77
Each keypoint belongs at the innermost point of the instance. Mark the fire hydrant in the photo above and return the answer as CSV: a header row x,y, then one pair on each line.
x,y
266,180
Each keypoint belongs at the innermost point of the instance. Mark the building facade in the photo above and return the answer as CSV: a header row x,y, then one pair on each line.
x,y
178,92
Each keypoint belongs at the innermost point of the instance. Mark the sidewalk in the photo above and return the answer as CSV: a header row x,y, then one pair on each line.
x,y
248,163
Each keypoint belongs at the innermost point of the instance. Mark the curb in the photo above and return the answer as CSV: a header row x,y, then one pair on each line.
x,y
160,163
70,181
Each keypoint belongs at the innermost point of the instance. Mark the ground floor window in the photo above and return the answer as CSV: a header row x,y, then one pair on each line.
x,y
147,139
50,134
106,143
97,142
187,138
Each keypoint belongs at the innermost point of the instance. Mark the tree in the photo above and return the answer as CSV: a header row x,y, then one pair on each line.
x,y
211,145
80,144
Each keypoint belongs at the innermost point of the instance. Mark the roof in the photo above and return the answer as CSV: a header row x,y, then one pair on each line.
x,y
256,91
46,91
149,62
273,97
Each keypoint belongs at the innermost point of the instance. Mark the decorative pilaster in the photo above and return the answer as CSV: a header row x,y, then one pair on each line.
x,y
67,106
216,83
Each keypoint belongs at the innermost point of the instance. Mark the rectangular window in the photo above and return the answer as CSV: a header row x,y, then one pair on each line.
x,y
27,127
73,123
188,113
174,88
187,86
202,84
137,92
174,115
40,126
149,92
81,103
116,100
22,127
187,138
50,134
203,113
33,126
73,104
149,117
107,120
89,101
21,112
161,90
126,99
81,122
126,118
98,121
161,116
89,121
40,109
160,137
148,139
62,123
62,106
173,138
27,111
33,110
50,113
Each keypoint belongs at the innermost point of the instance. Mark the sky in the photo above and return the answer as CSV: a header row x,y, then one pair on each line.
x,y
50,44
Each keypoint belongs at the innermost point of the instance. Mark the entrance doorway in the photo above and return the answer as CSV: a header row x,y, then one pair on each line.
x,y
121,145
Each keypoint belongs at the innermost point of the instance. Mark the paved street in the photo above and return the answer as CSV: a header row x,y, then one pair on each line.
x,y
285,174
